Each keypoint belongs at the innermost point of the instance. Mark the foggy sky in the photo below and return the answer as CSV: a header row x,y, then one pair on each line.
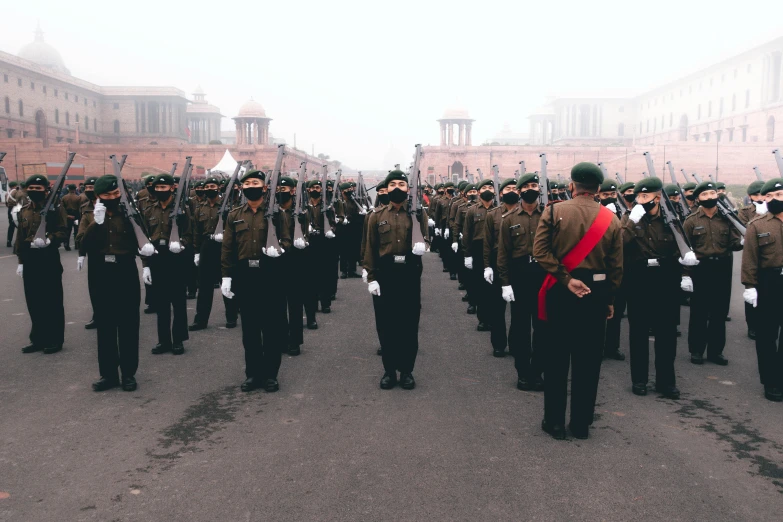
x,y
357,78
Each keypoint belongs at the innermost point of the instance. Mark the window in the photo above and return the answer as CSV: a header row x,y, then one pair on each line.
x,y
77,117
55,93
116,126
747,99
731,134
86,123
57,115
76,99
116,106
709,109
10,133
5,78
733,103
671,119
771,128
698,112
95,125
21,108
85,102
648,125
32,86
7,105
621,129
744,132
44,89
67,118
720,108
19,82
66,95
706,136
662,121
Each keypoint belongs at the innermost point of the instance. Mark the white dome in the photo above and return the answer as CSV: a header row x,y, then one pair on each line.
x,y
251,109
43,54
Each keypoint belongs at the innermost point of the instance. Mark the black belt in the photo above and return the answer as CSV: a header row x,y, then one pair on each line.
x,y
714,258
249,263
118,258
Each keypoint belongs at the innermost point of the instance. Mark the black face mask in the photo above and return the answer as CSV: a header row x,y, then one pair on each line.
x,y
397,196
211,193
162,195
648,206
510,198
440,193
283,197
253,193
383,199
608,201
472,197
36,196
530,196
111,204
450,192
90,194
314,194
630,198
721,196
775,206
708,203
200,193
690,197
487,195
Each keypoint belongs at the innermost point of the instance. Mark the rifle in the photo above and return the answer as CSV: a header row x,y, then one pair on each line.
x,y
620,198
684,210
53,201
724,210
271,201
543,182
225,205
755,169
128,208
480,175
778,160
414,199
670,216
496,179
522,168
471,179
179,203
299,211
684,175
324,205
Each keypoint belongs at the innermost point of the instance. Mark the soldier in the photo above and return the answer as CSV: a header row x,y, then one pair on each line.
x,y
687,192
11,201
713,239
167,270
607,196
652,275
473,249
432,212
442,226
85,220
110,240
626,190
762,275
471,196
381,201
455,203
144,197
579,244
521,277
71,202
497,313
349,232
206,242
758,207
333,247
394,267
293,264
320,254
248,270
40,268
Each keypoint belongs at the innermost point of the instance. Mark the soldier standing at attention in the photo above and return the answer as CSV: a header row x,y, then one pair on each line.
x,y
758,207
762,275
687,192
71,201
246,261
40,268
112,245
85,220
442,224
292,264
349,232
381,201
579,244
167,270
394,267
319,256
473,249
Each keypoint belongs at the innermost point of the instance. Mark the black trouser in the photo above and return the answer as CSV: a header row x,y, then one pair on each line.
x,y
499,337
332,261
294,283
710,305
321,275
92,284
192,271
446,253
169,278
580,325
399,308
263,311
208,275
480,291
349,250
527,347
455,259
70,227
612,342
769,345
653,302
117,313
751,315
11,227
43,291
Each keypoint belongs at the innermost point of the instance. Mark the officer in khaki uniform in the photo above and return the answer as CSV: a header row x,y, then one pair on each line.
x,y
714,240
579,300
473,250
86,218
292,264
455,204
758,207
394,267
687,192
380,202
520,277
320,255
442,224
762,275
249,271
471,196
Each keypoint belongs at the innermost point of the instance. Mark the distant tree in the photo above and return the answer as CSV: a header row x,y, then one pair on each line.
x,y
336,163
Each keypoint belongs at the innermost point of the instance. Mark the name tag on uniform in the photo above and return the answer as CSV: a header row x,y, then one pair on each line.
x,y
514,227
253,263
599,277
765,234
110,259
399,259
653,262
383,223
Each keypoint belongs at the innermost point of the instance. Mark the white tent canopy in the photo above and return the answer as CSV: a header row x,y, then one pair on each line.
x,y
226,165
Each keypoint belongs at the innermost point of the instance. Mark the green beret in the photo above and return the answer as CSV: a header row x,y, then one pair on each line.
x,y
484,182
12,184
438,186
608,186
396,175
176,179
448,184
381,185
314,183
149,178
462,185
352,183
721,185
71,186
625,186
755,187
106,184
553,185
649,184
285,181
772,185
163,179
345,186
531,177
255,173
587,173
672,190
329,183
211,179
37,179
508,181
91,180
689,186
704,185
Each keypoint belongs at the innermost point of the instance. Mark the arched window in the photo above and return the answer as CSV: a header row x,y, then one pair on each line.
x,y
77,117
116,126
68,118
95,125
21,108
683,128
57,115
771,128
7,105
86,123
621,129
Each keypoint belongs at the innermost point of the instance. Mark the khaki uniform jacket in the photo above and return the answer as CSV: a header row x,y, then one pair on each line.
x,y
29,221
763,248
474,227
747,214
159,225
389,234
516,238
85,219
71,202
245,235
114,236
711,237
205,220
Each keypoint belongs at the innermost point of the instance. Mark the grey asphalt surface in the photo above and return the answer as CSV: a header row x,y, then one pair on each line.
x,y
464,445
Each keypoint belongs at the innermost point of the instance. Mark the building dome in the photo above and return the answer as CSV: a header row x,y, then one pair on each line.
x,y
456,113
43,54
251,109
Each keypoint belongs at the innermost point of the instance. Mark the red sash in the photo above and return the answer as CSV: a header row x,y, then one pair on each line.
x,y
578,254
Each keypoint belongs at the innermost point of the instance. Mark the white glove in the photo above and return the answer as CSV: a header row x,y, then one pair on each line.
x,y
689,259
446,234
437,231
273,252
175,247
15,214
455,247
750,295
469,263
329,235
218,237
364,275
637,213
146,276
196,259
19,270
147,250
374,288
99,213
742,241
225,288
300,243
40,243
686,284
489,275
419,249
76,222
761,207
431,222
80,263
362,211
460,236
508,293
345,221
612,207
